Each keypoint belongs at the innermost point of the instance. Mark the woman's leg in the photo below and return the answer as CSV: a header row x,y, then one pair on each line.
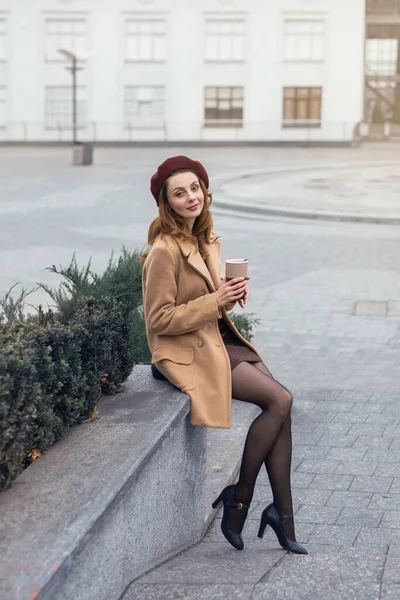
x,y
278,464
268,439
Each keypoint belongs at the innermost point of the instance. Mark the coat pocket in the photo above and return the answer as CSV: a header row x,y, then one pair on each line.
x,y
176,364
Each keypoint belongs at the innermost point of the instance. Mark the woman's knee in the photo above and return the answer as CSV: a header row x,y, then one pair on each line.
x,y
283,402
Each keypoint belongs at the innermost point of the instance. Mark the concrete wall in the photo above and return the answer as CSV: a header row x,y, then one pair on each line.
x,y
184,73
107,503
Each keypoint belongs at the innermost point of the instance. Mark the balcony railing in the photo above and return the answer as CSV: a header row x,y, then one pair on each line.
x,y
383,7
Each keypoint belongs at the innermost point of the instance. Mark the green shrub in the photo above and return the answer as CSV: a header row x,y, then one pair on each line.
x,y
244,323
51,376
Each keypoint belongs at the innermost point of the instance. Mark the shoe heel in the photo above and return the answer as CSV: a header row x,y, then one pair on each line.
x,y
263,526
217,501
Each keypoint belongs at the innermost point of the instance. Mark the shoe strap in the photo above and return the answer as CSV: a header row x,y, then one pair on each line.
x,y
286,516
237,505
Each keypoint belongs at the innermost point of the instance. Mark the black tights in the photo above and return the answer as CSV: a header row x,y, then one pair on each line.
x,y
269,440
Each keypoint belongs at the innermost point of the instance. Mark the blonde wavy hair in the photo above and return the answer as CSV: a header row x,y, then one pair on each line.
x,y
169,223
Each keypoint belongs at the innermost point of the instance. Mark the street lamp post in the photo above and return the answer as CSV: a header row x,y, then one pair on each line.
x,y
73,68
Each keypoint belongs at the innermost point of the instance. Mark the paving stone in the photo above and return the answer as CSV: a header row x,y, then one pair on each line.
x,y
385,501
365,442
371,484
216,563
304,451
395,444
323,465
346,454
377,455
325,395
262,493
334,428
345,407
310,438
367,429
334,534
377,537
312,589
355,396
331,482
312,497
387,469
338,576
303,403
162,591
391,519
339,441
392,571
374,406
322,549
349,499
392,430
317,416
356,467
395,489
301,480
384,418
360,517
326,515
390,591
350,418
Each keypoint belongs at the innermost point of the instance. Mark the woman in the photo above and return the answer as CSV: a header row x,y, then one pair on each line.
x,y
195,345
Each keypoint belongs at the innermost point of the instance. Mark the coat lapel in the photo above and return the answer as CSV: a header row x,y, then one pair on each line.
x,y
197,263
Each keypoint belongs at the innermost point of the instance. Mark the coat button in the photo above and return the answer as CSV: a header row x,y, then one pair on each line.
x,y
200,344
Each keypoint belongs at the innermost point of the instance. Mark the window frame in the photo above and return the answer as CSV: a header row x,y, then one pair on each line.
x,y
3,34
72,45
135,122
297,122
220,35
81,109
222,96
300,36
142,34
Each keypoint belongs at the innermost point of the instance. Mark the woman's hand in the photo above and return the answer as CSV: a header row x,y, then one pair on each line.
x,y
243,300
231,291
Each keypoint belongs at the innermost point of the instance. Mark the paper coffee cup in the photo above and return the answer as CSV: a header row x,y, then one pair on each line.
x,y
236,267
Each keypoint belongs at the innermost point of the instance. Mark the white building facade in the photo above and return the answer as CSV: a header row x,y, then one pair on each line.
x,y
182,70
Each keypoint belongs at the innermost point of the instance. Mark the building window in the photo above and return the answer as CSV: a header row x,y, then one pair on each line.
x,y
381,7
2,107
304,39
145,40
144,106
58,107
3,55
225,40
223,107
66,34
381,56
302,106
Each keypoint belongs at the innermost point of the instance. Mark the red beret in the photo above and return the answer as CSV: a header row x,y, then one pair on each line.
x,y
169,166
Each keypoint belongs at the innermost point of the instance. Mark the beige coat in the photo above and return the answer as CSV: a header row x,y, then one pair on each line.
x,y
181,311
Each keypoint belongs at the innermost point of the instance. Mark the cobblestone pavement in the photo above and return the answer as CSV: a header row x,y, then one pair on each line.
x,y
328,298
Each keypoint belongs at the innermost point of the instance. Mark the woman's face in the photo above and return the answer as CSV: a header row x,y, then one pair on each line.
x,y
185,196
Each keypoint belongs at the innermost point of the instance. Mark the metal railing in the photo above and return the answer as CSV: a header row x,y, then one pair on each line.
x,y
190,131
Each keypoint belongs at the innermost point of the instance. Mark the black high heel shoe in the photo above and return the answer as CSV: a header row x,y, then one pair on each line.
x,y
271,517
227,497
